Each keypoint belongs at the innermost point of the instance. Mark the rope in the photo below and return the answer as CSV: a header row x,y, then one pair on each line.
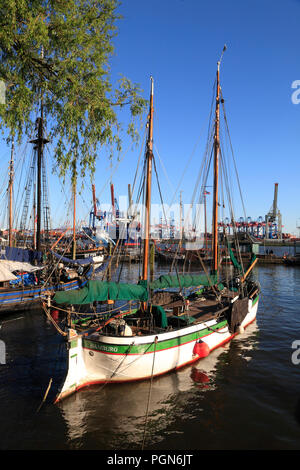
x,y
126,354
55,265
115,371
215,330
108,268
227,128
159,189
149,393
63,333
138,163
85,313
110,319
208,277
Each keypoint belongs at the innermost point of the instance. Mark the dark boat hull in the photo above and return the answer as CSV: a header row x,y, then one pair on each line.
x,y
20,299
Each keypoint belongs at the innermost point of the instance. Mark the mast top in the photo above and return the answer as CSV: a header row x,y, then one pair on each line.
x,y
219,62
152,86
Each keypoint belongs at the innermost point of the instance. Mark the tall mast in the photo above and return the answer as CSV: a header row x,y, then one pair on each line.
x,y
39,144
181,217
40,141
11,179
39,184
94,200
216,174
205,224
74,219
34,218
149,157
216,169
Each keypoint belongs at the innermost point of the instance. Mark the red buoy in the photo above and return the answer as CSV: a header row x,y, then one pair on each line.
x,y
55,314
201,349
199,376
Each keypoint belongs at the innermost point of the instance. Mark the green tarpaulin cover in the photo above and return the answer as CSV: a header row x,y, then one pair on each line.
x,y
185,280
101,290
160,316
236,263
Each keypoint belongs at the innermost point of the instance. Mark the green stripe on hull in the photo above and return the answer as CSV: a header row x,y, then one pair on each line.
x,y
149,347
255,300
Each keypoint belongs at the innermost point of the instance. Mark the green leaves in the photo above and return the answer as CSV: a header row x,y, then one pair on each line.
x,y
59,52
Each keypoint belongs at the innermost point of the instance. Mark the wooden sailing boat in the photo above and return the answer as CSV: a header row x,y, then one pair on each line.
x,y
80,254
161,335
24,278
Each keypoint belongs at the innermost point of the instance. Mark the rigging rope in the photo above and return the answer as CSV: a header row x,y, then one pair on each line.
x,y
227,127
149,393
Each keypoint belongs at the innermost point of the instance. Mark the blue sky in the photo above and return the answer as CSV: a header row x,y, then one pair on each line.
x,y
179,42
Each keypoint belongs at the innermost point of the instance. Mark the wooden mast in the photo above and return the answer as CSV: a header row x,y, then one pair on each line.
x,y
40,142
216,174
149,157
74,219
11,178
216,170
39,180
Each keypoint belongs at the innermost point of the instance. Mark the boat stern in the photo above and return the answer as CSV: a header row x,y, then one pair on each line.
x,y
76,367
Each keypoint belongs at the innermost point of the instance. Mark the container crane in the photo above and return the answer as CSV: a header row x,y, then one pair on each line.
x,y
273,219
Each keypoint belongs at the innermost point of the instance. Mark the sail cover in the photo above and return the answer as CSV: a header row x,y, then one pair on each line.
x,y
6,274
186,280
25,255
101,291
7,268
64,259
13,266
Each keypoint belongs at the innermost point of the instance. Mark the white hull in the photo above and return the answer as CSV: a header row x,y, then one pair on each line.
x,y
98,261
106,359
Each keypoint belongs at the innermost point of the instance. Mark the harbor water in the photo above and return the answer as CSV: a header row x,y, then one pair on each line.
x,y
245,395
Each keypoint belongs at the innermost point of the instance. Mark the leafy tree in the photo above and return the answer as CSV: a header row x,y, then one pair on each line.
x,y
54,59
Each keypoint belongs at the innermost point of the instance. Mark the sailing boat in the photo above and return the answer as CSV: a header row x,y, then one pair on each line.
x,y
165,332
24,277
81,252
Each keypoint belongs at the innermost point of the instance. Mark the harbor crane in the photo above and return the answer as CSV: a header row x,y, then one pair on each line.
x,y
273,219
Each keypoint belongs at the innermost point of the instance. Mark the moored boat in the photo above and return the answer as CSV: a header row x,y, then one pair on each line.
x,y
167,330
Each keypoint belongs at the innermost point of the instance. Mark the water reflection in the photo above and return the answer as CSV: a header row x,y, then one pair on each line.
x,y
113,416
249,385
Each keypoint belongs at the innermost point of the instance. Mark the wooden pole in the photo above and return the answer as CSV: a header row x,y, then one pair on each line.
x,y
149,156
34,218
39,181
11,178
152,260
181,217
216,174
94,201
112,199
74,219
55,243
249,270
205,225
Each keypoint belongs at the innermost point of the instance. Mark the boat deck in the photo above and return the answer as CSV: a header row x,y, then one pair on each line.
x,y
178,312
201,309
